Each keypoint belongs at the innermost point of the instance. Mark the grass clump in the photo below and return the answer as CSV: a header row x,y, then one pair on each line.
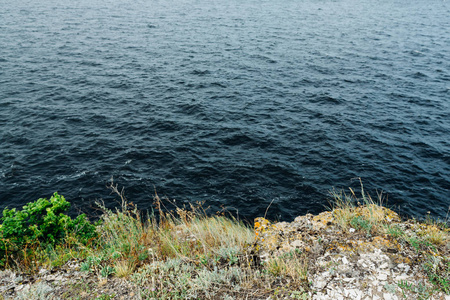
x,y
293,265
124,268
438,271
361,213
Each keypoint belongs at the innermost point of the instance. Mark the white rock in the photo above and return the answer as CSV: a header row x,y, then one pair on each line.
x,y
42,271
297,244
401,277
19,287
23,287
319,284
335,295
382,276
388,296
401,266
319,296
384,265
351,230
352,293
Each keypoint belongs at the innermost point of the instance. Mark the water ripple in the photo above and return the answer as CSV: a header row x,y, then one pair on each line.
x,y
237,104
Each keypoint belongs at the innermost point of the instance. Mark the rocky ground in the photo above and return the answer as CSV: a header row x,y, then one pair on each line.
x,y
343,262
346,263
67,282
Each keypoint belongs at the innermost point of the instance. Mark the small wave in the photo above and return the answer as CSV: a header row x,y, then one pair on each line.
x,y
74,120
237,139
325,99
190,108
322,70
425,150
90,64
165,126
419,75
416,53
264,58
218,84
200,73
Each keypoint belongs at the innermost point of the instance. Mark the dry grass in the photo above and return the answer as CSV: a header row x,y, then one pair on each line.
x,y
349,210
434,235
212,233
292,265
186,253
124,268
187,233
342,206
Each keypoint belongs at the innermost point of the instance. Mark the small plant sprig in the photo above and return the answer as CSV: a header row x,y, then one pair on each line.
x,y
105,271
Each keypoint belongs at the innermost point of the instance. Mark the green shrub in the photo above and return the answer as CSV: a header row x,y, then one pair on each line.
x,y
39,224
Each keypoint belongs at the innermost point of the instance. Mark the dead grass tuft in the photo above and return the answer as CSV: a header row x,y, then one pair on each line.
x,y
124,268
292,264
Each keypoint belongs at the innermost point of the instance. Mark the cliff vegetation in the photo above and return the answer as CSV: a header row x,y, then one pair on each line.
x,y
359,249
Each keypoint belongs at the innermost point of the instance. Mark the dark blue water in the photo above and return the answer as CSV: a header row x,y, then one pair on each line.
x,y
236,103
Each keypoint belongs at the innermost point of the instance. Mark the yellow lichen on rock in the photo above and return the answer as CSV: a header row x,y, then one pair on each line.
x,y
368,228
369,244
322,220
261,225
264,233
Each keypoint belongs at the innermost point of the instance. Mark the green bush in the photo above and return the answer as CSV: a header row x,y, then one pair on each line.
x,y
41,223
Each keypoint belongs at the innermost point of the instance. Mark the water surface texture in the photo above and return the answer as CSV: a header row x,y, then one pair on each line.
x,y
238,103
